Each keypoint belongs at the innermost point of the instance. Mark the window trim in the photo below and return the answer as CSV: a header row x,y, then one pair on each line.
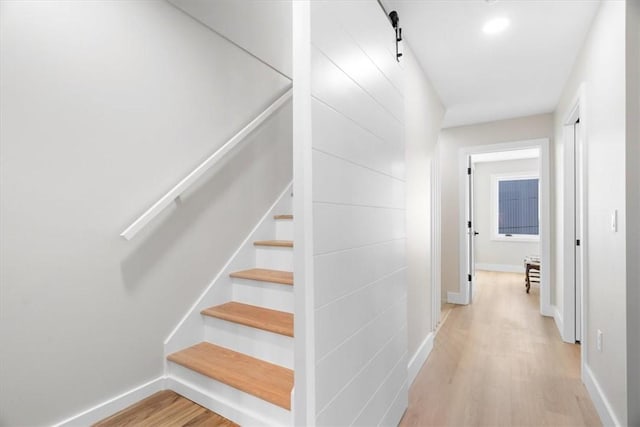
x,y
495,180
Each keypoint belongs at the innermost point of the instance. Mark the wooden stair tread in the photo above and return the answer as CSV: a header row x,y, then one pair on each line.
x,y
266,319
265,380
265,275
283,217
276,243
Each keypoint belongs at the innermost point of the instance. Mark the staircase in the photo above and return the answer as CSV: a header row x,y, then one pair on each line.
x,y
242,366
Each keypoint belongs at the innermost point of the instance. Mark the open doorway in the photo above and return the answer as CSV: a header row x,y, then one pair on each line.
x,y
505,190
530,178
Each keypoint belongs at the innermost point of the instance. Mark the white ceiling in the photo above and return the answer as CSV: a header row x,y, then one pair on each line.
x,y
481,77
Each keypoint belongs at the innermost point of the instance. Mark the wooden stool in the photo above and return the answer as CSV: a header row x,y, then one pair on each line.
x,y
532,270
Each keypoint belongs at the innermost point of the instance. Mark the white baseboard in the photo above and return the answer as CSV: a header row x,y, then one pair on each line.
x,y
547,310
455,298
557,316
600,401
420,357
507,268
113,405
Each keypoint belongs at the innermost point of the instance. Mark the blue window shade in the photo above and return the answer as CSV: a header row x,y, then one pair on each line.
x,y
518,206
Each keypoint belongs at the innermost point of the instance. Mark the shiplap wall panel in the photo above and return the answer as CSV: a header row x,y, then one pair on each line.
x,y
348,315
360,283
377,44
331,85
398,407
338,181
393,386
341,367
369,378
345,272
333,39
342,227
334,133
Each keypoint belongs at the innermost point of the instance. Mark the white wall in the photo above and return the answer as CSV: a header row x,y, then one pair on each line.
x,y
358,216
105,106
262,27
601,66
450,141
423,118
489,251
633,210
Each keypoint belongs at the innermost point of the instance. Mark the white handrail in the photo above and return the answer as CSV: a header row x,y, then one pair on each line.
x,y
176,191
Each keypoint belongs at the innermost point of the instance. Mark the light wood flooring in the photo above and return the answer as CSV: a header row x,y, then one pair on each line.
x,y
498,362
445,309
165,409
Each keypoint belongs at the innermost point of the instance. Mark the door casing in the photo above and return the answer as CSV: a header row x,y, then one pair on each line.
x,y
463,295
572,301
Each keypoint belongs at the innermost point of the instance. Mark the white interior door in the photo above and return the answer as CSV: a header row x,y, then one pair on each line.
x,y
579,253
469,228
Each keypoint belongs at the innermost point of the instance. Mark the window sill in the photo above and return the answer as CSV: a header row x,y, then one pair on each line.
x,y
519,239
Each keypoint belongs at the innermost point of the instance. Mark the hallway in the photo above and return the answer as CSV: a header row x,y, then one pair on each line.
x,y
499,362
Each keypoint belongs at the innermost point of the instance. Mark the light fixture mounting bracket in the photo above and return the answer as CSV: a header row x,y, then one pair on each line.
x,y
395,23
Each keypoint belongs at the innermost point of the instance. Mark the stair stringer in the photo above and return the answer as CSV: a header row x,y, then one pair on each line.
x,y
191,328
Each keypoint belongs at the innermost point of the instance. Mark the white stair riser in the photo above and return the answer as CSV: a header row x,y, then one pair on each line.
x,y
264,345
263,294
275,258
238,406
189,330
284,229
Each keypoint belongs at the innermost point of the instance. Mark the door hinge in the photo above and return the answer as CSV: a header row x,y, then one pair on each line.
x,y
468,277
578,242
469,224
468,171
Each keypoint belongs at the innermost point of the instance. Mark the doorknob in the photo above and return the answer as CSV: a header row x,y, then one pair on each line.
x,y
475,233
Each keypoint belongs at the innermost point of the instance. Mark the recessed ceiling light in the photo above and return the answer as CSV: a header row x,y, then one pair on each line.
x,y
496,25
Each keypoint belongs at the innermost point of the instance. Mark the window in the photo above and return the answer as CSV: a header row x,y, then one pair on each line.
x,y
517,208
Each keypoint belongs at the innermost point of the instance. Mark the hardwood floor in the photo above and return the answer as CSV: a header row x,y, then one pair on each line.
x,y
498,362
165,408
445,309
